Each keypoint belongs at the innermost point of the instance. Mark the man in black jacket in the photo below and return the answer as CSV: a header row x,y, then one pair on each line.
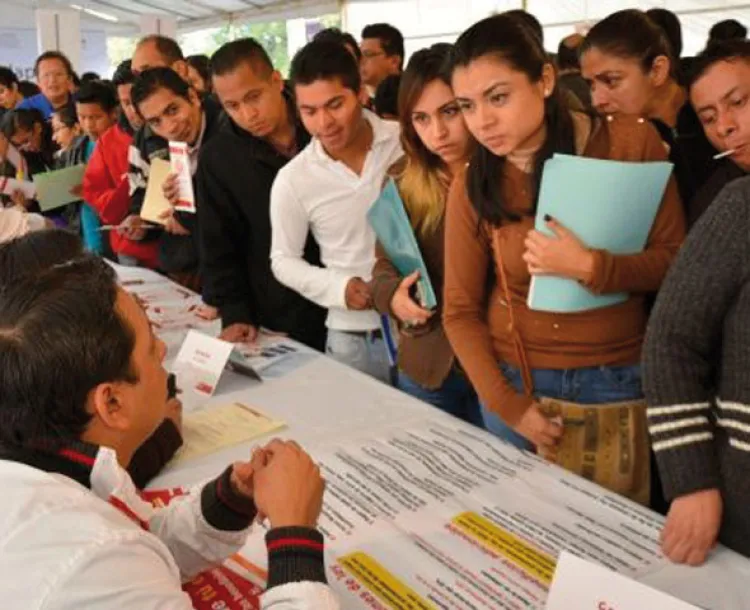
x,y
234,179
171,111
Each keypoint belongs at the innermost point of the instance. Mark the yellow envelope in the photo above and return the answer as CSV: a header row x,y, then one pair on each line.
x,y
155,203
212,429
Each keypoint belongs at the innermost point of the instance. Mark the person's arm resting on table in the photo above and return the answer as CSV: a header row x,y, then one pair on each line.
x,y
680,371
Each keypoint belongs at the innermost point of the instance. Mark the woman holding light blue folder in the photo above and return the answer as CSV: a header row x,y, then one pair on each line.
x,y
518,359
437,146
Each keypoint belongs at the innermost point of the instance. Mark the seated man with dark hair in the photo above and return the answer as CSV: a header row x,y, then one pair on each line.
x,y
83,387
35,253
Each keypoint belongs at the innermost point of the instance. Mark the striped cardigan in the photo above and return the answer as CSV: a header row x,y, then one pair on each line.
x,y
697,364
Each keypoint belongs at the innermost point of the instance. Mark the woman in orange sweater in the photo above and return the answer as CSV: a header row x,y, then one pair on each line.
x,y
505,87
437,146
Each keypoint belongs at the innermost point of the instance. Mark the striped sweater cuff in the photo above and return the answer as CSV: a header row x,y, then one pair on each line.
x,y
223,508
295,554
682,438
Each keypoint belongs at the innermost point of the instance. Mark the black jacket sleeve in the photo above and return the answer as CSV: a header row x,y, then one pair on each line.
x,y
223,243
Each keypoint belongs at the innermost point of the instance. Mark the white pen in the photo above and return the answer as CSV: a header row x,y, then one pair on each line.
x,y
117,227
726,153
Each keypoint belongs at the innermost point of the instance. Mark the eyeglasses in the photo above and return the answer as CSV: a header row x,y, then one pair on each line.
x,y
372,54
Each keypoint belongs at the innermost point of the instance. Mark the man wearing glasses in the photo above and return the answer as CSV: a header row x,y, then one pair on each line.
x,y
382,54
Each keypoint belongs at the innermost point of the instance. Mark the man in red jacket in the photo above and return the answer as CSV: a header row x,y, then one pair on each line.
x,y
105,183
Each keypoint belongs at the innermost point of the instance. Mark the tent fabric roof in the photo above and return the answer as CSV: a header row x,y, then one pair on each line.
x,y
123,16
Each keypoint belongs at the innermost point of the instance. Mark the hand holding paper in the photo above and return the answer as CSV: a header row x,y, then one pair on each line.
x,y
608,205
54,189
171,189
155,204
11,186
179,159
391,224
563,254
404,307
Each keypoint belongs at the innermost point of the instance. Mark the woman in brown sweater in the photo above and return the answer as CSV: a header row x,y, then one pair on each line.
x,y
437,146
505,87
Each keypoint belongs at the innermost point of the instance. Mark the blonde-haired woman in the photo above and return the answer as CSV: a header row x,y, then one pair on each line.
x,y
437,145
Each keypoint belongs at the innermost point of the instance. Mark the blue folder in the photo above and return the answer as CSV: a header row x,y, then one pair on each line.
x,y
609,205
389,220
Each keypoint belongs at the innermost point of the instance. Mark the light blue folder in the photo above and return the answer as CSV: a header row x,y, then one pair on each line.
x,y
609,205
391,224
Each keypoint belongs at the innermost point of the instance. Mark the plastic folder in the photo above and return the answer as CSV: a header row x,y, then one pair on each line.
x,y
609,205
53,188
391,224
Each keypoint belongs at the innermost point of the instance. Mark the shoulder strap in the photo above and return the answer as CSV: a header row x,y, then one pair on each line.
x,y
528,384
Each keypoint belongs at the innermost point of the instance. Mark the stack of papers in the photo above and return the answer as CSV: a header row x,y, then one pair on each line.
x,y
209,430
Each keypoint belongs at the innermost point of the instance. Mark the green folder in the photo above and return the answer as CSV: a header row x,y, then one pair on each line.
x,y
391,224
53,188
609,205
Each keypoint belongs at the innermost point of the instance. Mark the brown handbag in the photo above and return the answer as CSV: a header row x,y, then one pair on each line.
x,y
606,444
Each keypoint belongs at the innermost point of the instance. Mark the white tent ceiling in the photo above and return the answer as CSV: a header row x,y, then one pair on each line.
x,y
123,16
697,15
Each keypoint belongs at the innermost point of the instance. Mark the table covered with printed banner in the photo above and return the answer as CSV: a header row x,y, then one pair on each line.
x,y
423,511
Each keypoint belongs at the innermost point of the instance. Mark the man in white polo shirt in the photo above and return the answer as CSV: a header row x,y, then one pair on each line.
x,y
327,189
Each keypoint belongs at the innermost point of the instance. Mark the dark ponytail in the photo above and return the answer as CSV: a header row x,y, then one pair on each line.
x,y
631,34
511,41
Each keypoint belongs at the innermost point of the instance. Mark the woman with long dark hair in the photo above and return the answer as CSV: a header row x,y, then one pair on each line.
x,y
628,60
437,146
515,357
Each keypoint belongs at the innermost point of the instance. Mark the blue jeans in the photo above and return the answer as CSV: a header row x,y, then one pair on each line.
x,y
364,353
456,396
587,386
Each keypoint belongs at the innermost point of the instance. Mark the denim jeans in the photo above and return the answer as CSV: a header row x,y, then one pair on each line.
x,y
364,353
456,396
588,386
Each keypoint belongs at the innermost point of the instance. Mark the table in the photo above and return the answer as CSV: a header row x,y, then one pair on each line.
x,y
425,511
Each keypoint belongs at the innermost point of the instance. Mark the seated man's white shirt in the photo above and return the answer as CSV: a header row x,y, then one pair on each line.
x,y
315,193
64,547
